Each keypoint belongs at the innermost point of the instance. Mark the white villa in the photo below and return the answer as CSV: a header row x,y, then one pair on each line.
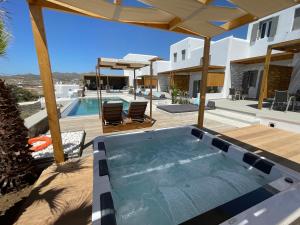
x,y
235,62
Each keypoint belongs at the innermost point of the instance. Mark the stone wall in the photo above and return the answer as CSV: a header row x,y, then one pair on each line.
x,y
29,109
37,124
237,72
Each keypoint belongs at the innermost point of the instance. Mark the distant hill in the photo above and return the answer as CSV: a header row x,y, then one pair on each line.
x,y
34,80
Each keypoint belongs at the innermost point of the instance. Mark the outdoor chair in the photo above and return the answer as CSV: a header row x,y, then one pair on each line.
x,y
281,100
245,93
156,96
112,113
136,111
234,94
107,88
210,105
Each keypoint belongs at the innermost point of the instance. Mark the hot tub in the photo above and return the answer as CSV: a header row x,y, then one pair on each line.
x,y
186,176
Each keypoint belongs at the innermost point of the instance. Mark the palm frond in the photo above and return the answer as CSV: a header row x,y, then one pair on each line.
x,y
4,35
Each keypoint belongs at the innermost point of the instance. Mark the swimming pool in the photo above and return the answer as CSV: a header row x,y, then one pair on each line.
x,y
178,176
90,106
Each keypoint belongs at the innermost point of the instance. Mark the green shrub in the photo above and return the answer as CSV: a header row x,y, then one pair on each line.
x,y
22,95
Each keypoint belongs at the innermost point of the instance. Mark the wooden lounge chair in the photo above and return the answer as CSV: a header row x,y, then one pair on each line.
x,y
136,111
112,113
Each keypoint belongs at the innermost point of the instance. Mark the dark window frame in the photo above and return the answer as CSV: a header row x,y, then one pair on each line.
x,y
296,16
264,28
183,54
175,57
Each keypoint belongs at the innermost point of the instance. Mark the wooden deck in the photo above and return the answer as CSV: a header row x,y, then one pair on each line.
x,y
275,144
62,195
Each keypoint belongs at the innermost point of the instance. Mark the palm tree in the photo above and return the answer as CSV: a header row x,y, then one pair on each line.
x,y
16,169
4,36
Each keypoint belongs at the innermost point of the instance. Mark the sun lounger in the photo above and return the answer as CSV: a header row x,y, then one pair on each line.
x,y
282,100
112,113
156,96
209,106
136,111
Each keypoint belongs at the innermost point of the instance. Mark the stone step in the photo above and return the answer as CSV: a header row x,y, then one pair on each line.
x,y
241,117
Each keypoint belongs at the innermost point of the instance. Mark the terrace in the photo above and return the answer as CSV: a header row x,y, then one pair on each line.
x,y
64,193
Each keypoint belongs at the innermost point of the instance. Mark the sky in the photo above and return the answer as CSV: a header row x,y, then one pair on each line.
x,y
75,42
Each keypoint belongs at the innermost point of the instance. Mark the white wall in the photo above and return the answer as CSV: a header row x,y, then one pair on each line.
x,y
161,66
137,58
222,52
188,44
284,32
65,90
295,79
163,83
220,55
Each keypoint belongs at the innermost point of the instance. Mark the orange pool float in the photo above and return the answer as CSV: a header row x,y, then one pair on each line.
x,y
46,142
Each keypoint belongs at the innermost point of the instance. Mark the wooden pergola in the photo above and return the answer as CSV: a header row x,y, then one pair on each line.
x,y
290,47
121,64
192,17
213,78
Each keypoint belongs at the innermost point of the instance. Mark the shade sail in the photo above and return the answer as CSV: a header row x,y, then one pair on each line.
x,y
198,17
120,64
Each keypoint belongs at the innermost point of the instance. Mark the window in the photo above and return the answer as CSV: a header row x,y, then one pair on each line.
x,y
249,79
175,57
183,53
253,78
265,28
296,24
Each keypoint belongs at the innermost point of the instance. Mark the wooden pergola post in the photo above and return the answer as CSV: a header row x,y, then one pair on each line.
x,y
151,74
39,34
134,84
264,80
100,92
98,95
204,81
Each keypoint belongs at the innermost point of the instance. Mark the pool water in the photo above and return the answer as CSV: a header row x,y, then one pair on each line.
x,y
90,106
169,180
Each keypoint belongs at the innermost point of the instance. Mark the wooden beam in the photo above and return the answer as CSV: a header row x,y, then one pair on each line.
x,y
97,85
285,44
100,92
240,21
264,80
53,6
205,2
60,6
292,46
117,2
261,59
175,22
151,74
134,84
204,81
182,30
39,34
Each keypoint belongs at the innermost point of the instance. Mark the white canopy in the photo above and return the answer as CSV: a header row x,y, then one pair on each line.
x,y
198,17
120,64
